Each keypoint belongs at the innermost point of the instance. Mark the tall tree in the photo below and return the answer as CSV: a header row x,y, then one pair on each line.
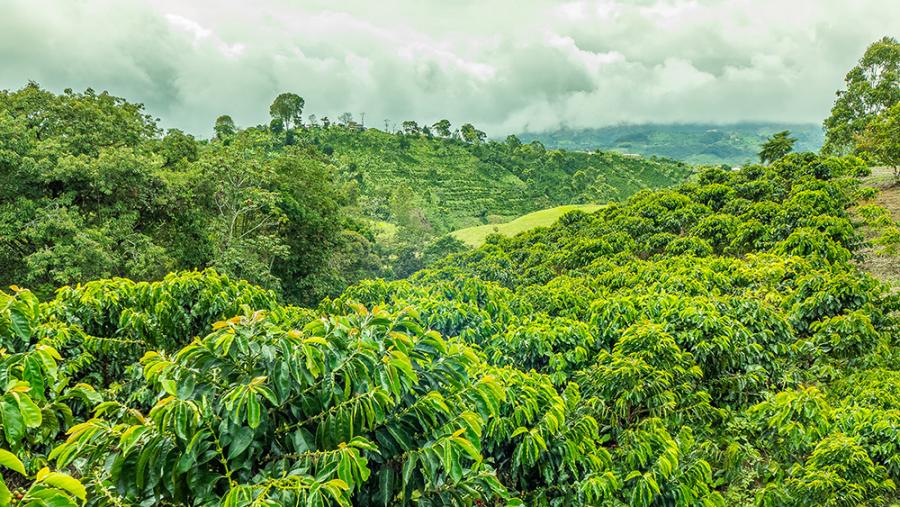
x,y
410,127
442,128
882,139
472,135
776,147
224,126
288,107
871,87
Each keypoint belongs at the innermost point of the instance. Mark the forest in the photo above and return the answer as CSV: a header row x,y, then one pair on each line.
x,y
226,321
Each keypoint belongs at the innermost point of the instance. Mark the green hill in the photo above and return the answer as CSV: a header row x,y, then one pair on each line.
x,y
459,184
475,236
711,344
696,143
92,188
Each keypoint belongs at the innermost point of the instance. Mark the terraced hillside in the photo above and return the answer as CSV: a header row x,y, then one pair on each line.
x,y
460,185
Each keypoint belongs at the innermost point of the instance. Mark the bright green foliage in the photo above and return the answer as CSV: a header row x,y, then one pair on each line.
x,y
872,86
252,405
777,146
459,183
722,366
882,138
838,472
709,344
177,146
92,190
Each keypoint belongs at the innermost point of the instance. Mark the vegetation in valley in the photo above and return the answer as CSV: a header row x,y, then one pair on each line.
x,y
458,183
696,143
92,188
476,236
713,343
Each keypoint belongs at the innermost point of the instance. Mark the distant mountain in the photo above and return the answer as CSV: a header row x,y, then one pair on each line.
x,y
696,143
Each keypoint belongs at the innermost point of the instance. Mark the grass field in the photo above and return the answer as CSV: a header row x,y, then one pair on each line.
x,y
474,236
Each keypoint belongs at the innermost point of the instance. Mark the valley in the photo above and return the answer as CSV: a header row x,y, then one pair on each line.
x,y
292,310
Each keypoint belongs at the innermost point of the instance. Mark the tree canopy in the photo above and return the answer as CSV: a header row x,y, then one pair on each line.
x,y
287,108
777,146
872,86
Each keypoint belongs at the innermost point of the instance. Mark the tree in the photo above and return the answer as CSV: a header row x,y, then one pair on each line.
x,y
871,87
288,107
276,126
178,146
442,128
345,118
881,138
410,127
472,135
224,127
247,228
776,147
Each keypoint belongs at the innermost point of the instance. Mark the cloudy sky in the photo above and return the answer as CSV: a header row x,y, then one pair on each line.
x,y
505,65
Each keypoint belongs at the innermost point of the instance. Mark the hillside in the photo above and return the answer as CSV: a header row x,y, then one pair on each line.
x,y
94,189
459,184
733,144
706,345
307,312
475,236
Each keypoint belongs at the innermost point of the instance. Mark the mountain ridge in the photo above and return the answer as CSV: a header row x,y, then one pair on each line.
x,y
697,143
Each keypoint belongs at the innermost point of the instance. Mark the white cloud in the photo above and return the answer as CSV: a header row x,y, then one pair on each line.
x,y
505,65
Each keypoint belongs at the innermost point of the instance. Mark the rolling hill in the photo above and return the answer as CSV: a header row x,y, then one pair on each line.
x,y
475,236
696,143
458,184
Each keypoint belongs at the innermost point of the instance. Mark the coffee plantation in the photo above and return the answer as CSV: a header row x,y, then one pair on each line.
x,y
712,344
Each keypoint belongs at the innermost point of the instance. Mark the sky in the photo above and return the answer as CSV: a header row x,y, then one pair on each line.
x,y
504,65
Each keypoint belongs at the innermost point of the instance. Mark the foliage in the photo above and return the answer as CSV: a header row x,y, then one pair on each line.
x,y
695,143
706,344
872,86
460,184
777,146
610,369
92,191
287,109
95,190
881,137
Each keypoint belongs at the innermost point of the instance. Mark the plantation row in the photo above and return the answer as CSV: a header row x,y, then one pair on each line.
x,y
458,184
707,345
